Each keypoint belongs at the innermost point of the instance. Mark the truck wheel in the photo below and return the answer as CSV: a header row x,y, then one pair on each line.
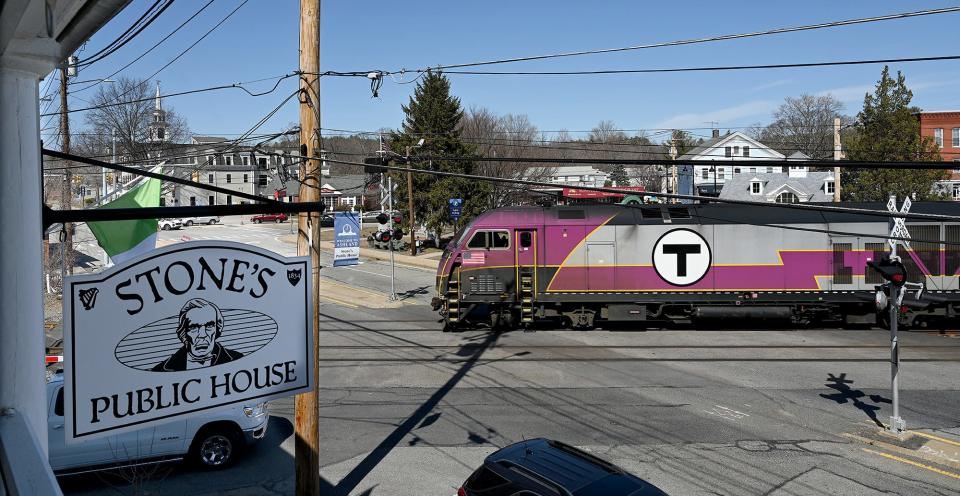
x,y
215,448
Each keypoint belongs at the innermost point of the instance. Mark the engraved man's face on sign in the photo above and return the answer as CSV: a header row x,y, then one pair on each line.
x,y
201,335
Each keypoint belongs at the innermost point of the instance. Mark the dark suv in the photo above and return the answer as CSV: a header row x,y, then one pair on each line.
x,y
541,467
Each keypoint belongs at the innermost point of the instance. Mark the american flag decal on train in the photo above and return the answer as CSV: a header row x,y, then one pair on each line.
x,y
474,258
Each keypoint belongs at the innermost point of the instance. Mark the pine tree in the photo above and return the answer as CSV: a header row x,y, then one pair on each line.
x,y
618,176
433,114
887,130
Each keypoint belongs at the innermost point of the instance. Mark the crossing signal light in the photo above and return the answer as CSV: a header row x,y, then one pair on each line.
x,y
397,234
892,271
382,218
374,165
384,236
397,218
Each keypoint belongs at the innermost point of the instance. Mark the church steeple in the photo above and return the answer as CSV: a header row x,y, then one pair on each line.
x,y
158,128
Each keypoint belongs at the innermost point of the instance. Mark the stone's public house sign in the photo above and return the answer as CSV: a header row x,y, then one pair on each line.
x,y
188,327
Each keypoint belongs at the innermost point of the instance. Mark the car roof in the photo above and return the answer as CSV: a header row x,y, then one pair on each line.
x,y
572,469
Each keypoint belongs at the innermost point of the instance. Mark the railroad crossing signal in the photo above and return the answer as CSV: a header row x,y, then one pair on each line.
x,y
899,229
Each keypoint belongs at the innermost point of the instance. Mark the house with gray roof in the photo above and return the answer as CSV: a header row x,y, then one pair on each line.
x,y
797,185
710,179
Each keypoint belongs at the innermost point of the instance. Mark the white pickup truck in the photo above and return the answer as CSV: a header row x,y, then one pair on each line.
x,y
210,439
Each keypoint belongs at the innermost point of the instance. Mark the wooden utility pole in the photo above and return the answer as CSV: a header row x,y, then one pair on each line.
x,y
837,155
67,190
307,446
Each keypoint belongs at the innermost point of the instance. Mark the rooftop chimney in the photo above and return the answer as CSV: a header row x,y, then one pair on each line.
x,y
716,133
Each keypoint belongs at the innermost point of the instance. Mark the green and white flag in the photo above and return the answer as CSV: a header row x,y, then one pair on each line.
x,y
125,239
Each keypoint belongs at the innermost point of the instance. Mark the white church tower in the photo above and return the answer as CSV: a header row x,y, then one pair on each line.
x,y
158,127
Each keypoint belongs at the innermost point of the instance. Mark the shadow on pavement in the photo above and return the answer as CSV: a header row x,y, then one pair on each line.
x,y
419,417
845,393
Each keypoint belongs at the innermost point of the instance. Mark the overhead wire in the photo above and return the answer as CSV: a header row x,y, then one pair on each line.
x,y
692,41
118,45
144,54
707,68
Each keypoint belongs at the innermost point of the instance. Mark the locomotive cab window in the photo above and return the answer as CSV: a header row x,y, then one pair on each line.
x,y
526,239
490,239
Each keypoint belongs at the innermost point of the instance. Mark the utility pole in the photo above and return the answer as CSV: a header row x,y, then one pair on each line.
x,y
307,427
413,234
673,169
837,155
67,190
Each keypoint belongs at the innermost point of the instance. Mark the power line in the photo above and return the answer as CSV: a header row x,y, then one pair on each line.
x,y
705,69
795,206
118,44
189,92
165,38
808,27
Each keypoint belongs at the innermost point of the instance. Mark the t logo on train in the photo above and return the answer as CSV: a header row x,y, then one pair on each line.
x,y
660,265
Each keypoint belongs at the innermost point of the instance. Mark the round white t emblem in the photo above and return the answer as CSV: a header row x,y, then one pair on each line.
x,y
681,257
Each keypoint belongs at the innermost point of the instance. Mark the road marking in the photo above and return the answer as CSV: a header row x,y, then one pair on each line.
x,y
915,464
727,413
365,272
938,438
339,302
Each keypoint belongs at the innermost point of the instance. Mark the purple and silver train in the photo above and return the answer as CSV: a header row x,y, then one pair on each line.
x,y
656,265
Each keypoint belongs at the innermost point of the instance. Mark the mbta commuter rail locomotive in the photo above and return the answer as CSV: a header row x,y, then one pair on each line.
x,y
661,264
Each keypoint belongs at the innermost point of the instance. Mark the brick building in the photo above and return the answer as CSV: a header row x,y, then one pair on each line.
x,y
944,129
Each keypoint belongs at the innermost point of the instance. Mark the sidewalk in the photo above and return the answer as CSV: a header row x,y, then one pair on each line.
x,y
426,261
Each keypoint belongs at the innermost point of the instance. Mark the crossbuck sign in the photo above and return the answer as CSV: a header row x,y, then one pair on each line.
x,y
899,229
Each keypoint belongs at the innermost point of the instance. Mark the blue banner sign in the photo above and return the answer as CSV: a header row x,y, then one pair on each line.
x,y
346,239
456,205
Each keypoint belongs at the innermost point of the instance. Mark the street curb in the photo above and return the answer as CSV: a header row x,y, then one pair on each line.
x,y
914,445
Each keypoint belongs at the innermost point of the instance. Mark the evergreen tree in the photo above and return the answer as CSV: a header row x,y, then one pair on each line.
x,y
887,130
618,176
433,114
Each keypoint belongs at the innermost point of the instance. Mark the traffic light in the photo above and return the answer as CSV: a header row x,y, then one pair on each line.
x,y
397,234
382,218
891,271
384,236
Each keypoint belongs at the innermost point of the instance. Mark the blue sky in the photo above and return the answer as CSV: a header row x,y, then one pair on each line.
x,y
261,40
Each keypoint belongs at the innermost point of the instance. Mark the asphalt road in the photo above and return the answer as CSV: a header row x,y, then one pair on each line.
x,y
408,410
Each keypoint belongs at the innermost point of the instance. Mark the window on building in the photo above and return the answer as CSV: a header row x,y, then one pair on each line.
x,y
726,151
228,160
705,174
262,162
279,159
210,178
228,178
193,201
956,191
160,133
769,170
720,173
229,200
830,187
736,150
955,141
755,188
787,197
211,200
246,179
262,180
746,151
938,137
245,160
736,170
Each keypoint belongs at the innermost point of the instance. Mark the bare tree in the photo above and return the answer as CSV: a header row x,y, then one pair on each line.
x,y
125,109
804,124
508,137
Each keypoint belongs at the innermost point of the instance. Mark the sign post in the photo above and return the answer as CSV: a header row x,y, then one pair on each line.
x,y
898,230
182,329
346,239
